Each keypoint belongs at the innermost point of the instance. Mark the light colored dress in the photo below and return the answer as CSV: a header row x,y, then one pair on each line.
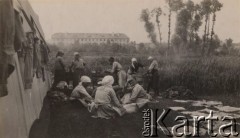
x,y
107,104
136,99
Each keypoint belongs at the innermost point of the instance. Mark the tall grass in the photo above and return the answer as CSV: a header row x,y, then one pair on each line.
x,y
209,75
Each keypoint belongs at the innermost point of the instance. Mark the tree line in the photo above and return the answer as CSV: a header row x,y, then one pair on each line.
x,y
189,18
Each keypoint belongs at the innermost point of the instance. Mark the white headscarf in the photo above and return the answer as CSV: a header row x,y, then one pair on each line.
x,y
85,79
75,53
150,58
107,81
134,59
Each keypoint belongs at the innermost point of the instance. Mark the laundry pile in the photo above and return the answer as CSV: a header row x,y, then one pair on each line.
x,y
178,92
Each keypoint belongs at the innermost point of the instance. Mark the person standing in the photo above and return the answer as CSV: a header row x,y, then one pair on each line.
x,y
119,74
134,67
154,76
59,69
78,68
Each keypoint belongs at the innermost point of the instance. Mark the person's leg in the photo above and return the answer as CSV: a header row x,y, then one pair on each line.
x,y
150,83
155,83
56,79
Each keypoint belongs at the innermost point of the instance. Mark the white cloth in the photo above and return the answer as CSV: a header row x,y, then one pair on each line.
x,y
75,53
134,59
150,58
107,81
85,79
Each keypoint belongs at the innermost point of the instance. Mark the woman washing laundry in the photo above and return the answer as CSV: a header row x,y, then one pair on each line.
x,y
135,96
119,74
106,102
80,93
135,65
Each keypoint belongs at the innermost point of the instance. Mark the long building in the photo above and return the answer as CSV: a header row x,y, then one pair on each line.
x,y
90,38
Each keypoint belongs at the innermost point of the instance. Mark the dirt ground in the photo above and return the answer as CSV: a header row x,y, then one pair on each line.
x,y
72,120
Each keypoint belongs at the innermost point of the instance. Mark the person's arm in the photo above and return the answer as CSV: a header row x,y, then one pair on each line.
x,y
115,99
84,63
135,93
61,63
114,66
71,67
130,70
85,94
152,66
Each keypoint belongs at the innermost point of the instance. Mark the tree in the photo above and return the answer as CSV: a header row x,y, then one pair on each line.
x,y
191,9
158,12
196,23
176,42
149,26
206,11
229,42
183,24
216,6
173,6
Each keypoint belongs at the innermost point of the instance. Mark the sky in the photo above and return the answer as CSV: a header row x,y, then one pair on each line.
x,y
122,16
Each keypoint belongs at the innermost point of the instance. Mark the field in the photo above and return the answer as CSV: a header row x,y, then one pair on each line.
x,y
203,75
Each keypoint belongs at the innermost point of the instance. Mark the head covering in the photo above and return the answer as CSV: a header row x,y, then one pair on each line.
x,y
150,58
61,84
75,53
85,79
59,53
134,59
107,81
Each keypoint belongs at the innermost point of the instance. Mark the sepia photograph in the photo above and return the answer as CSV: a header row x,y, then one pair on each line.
x,y
119,68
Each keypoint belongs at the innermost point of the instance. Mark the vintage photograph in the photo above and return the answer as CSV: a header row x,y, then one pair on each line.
x,y
119,68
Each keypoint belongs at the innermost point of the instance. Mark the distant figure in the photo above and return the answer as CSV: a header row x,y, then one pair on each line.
x,y
80,93
119,74
154,76
78,68
133,69
107,103
59,69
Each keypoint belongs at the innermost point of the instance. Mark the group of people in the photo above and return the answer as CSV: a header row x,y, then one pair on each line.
x,y
104,101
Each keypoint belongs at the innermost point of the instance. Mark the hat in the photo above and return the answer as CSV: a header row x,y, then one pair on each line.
x,y
134,59
75,53
85,79
150,58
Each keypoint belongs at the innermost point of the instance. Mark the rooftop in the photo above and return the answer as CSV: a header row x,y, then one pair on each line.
x,y
89,35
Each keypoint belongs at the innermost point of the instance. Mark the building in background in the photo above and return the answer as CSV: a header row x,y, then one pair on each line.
x,y
89,38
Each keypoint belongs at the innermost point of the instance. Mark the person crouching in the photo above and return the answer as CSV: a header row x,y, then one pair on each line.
x,y
80,93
